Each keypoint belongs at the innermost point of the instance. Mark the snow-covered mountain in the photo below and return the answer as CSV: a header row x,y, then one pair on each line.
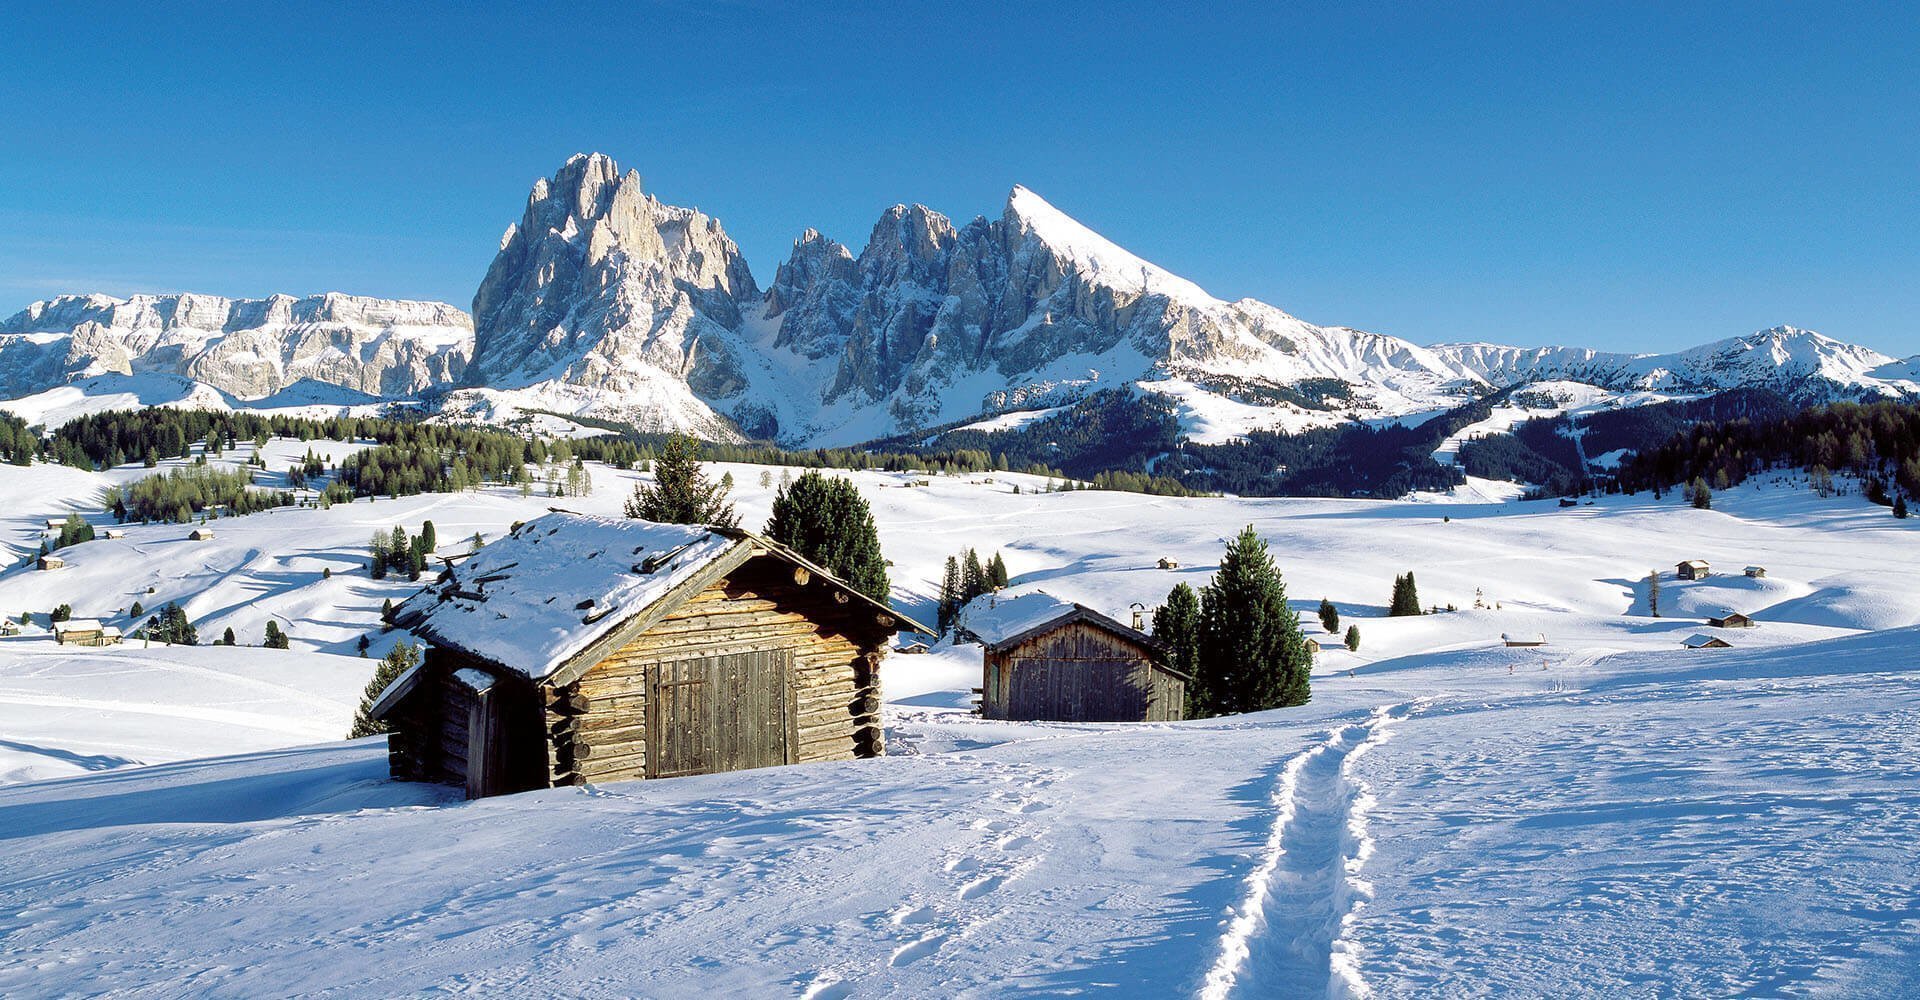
x,y
1794,361
605,302
246,348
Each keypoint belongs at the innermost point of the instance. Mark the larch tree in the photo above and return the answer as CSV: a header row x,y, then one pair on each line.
x,y
1177,625
403,657
1329,616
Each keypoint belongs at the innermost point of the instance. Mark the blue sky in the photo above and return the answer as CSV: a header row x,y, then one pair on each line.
x,y
1625,177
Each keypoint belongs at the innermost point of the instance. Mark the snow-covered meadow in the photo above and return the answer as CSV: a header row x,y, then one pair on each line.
x,y
1606,815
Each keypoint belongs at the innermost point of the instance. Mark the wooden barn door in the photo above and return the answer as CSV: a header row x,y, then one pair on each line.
x,y
1076,690
720,713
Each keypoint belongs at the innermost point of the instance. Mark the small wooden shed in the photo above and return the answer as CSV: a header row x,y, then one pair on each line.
x,y
1692,569
1757,572
914,648
587,649
85,632
201,534
1732,619
52,562
1524,638
1166,563
1700,640
114,533
1048,659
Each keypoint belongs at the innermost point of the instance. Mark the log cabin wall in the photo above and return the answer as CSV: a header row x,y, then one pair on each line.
x,y
759,619
1079,673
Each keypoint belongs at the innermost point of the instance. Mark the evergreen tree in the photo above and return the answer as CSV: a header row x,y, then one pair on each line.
x,y
827,520
276,639
1353,638
228,639
1329,616
1252,655
1406,597
403,657
381,554
997,572
62,613
680,493
973,576
1177,625
1653,593
1701,496
171,626
136,611
399,549
363,644
949,595
386,610
1900,507
429,542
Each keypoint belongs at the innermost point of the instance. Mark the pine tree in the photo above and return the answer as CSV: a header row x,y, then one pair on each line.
x,y
1406,597
136,611
429,542
403,657
227,638
1900,507
1653,593
1701,496
1329,616
399,549
973,576
276,639
949,595
381,555
827,520
363,644
386,610
997,572
1177,625
1252,655
62,613
680,493
1353,638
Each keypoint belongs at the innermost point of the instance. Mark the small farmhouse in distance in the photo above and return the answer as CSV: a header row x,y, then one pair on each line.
x,y
1166,563
1693,569
201,534
85,632
1524,638
586,649
914,648
1732,619
114,533
1048,659
1757,572
1700,640
52,562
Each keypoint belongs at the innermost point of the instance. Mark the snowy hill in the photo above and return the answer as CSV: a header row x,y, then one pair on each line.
x,y
1446,816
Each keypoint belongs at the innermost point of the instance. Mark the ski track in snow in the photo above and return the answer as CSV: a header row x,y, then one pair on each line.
x,y
1291,934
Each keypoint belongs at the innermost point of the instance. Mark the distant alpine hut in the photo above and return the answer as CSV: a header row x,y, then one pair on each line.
x,y
1524,638
56,523
1700,640
85,632
201,534
1693,569
114,533
911,648
1166,563
1048,659
1732,619
587,649
52,562
1757,572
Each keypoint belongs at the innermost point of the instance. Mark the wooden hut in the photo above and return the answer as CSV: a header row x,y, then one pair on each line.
x,y
587,649
201,534
52,562
85,632
1524,638
114,533
1732,619
56,523
1166,563
1700,640
1757,572
1050,659
1693,569
911,648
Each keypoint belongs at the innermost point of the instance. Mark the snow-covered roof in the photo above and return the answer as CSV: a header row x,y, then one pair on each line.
x,y
534,601
530,601
78,625
1700,639
1533,637
995,621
